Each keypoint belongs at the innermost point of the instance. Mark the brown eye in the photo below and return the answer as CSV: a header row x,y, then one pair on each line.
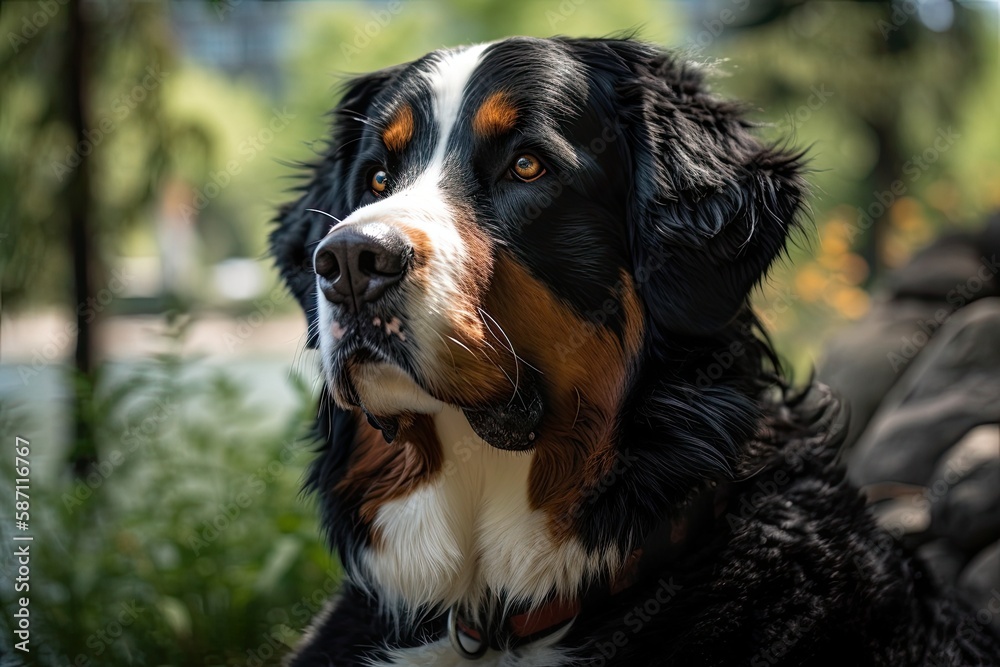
x,y
527,168
380,180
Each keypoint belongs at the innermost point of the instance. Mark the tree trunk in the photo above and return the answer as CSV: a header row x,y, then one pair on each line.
x,y
83,452
885,173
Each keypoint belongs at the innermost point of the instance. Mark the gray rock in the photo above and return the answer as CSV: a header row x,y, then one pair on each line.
x,y
944,560
952,387
980,445
968,513
856,361
935,272
980,582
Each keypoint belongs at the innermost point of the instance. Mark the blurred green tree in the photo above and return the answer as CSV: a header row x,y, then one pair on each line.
x,y
893,80
80,80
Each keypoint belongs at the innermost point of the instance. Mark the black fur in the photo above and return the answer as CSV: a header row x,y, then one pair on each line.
x,y
792,570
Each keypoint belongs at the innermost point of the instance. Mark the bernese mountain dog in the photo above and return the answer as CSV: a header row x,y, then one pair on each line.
x,y
553,432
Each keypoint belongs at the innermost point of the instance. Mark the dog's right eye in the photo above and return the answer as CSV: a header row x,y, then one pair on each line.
x,y
379,182
527,168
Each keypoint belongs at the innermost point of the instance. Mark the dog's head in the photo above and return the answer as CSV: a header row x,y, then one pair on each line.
x,y
524,231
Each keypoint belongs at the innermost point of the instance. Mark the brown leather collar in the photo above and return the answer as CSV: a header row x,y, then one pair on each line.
x,y
665,545
557,612
537,622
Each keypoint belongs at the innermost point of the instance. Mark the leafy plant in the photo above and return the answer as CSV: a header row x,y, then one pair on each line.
x,y
189,543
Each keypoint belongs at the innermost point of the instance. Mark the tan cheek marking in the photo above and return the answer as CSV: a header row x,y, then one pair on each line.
x,y
379,472
399,131
471,365
496,116
585,368
465,371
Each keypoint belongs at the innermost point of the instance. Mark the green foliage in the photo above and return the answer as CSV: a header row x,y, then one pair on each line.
x,y
127,149
188,539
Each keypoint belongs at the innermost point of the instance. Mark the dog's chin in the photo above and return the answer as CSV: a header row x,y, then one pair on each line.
x,y
389,396
385,390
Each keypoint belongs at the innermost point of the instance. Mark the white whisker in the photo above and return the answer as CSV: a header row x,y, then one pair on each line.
x,y
510,346
316,210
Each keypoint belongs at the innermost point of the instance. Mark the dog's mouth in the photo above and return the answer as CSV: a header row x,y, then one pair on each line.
x,y
383,382
370,374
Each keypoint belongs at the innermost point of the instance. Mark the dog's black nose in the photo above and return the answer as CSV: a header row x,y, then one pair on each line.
x,y
356,266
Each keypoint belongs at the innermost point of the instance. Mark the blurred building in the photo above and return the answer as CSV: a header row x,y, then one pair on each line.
x,y
238,37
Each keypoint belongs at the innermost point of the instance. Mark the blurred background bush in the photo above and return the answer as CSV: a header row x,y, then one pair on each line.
x,y
157,367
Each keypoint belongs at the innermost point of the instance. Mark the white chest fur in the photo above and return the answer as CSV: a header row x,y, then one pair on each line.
x,y
472,530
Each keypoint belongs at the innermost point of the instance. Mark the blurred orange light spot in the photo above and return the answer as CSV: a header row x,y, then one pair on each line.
x,y
895,251
850,302
945,196
834,245
810,283
854,269
906,214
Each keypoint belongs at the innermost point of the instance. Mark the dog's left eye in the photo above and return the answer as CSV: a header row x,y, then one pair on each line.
x,y
380,180
527,168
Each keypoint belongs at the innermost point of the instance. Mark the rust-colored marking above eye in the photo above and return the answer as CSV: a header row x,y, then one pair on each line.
x,y
496,116
399,131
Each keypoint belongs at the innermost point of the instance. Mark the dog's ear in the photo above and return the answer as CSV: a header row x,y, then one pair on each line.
x,y
711,206
326,189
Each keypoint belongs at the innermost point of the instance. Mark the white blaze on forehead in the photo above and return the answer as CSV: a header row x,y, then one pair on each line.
x,y
448,78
